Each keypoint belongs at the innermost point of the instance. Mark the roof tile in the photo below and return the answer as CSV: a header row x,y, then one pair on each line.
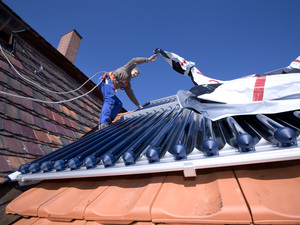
x,y
13,144
42,136
43,221
49,114
65,110
27,91
14,99
39,108
35,197
15,62
272,191
11,126
26,117
28,132
14,162
74,125
70,133
5,66
58,118
39,122
67,121
203,199
73,114
86,191
12,111
50,126
54,139
33,148
28,221
47,149
61,130
4,167
133,196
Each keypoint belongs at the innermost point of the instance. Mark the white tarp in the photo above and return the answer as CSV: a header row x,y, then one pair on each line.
x,y
247,95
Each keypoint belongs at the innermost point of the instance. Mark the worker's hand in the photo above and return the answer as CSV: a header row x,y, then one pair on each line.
x,y
152,58
140,107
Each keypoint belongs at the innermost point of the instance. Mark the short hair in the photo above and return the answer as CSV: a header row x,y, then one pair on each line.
x,y
137,70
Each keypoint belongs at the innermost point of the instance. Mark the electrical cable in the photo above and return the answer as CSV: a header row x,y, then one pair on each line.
x,y
58,102
38,100
45,89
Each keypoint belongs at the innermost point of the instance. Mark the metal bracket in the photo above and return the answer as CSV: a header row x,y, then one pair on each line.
x,y
189,170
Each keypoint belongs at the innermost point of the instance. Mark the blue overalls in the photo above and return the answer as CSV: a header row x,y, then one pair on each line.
x,y
111,103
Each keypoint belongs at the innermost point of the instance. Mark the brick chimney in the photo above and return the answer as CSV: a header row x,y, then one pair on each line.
x,y
69,45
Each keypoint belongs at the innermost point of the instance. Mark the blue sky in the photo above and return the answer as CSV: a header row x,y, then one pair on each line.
x,y
226,39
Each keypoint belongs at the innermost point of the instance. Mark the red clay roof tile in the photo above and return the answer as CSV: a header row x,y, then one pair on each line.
x,y
50,126
12,111
42,136
39,122
29,202
214,196
57,118
15,62
4,65
65,110
33,148
211,197
49,114
130,199
4,167
26,117
39,108
74,125
13,144
62,130
272,191
11,126
28,132
85,190
14,162
28,221
73,114
13,99
67,121
28,91
55,139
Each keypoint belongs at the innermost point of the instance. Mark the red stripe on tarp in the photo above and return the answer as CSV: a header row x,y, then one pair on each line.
x,y
214,81
297,60
259,88
183,63
200,73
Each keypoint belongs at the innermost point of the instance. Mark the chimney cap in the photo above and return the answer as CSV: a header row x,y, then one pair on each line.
x,y
75,32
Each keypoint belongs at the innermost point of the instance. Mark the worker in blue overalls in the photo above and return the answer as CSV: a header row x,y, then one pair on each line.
x,y
119,79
